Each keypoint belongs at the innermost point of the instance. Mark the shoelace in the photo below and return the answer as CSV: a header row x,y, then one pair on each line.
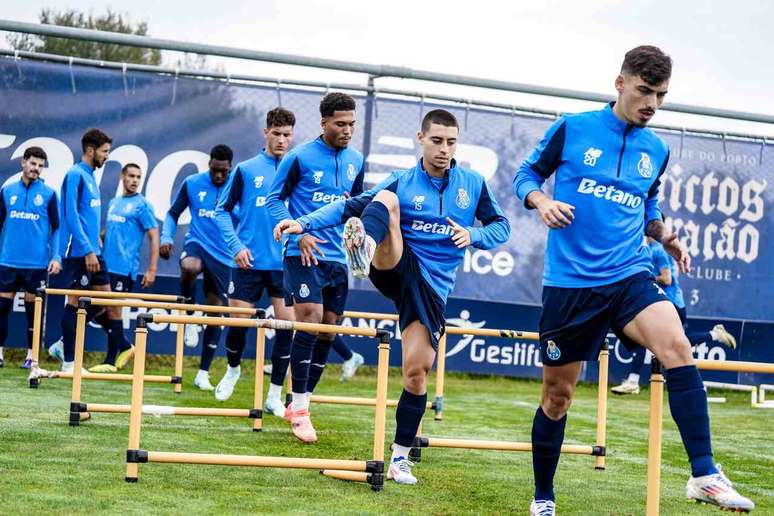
x,y
545,507
404,465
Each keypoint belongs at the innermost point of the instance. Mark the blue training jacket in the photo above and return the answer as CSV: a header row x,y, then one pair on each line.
x,y
611,172
201,196
661,260
310,176
29,225
425,205
247,189
128,219
80,211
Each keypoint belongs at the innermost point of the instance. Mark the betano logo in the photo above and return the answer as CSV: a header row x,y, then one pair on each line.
x,y
24,215
326,198
609,193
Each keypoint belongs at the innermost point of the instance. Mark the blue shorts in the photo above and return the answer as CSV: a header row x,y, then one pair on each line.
x,y
575,321
29,280
74,274
326,283
248,284
414,299
121,283
217,276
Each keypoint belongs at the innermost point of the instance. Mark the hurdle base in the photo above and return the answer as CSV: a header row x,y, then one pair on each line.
x,y
415,454
34,382
131,480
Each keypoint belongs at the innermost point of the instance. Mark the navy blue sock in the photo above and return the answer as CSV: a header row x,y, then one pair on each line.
x,y
698,338
341,348
319,360
68,332
188,291
115,340
280,356
408,415
638,360
376,221
300,357
211,337
29,312
236,338
688,404
5,309
547,438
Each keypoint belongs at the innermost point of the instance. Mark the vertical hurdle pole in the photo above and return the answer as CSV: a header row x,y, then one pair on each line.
x,y
179,353
260,348
135,411
654,438
288,385
37,319
80,333
604,359
382,372
440,373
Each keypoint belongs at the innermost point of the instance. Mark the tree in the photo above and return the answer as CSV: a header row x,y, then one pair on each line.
x,y
112,22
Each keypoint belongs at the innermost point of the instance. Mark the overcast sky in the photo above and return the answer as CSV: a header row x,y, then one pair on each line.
x,y
722,50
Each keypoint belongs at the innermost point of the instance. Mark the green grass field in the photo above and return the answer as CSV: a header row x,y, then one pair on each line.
x,y
47,466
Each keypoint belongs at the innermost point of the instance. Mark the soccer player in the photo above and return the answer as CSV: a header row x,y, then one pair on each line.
x,y
84,266
608,167
204,249
665,271
410,238
29,242
311,175
258,257
130,217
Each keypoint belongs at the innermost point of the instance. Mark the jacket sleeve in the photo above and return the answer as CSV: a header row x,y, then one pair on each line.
x,y
652,211
495,229
288,176
72,189
541,163
53,220
338,212
232,198
357,186
2,209
177,208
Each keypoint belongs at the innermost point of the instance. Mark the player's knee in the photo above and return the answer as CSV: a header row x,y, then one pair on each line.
x,y
676,351
189,268
557,401
310,314
389,199
415,379
114,312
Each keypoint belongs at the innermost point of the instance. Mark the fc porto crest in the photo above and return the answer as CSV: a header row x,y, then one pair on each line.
x,y
84,280
463,199
351,172
38,200
552,350
645,166
128,208
303,292
231,288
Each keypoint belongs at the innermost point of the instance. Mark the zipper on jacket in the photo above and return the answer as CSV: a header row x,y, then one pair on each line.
x,y
336,159
623,148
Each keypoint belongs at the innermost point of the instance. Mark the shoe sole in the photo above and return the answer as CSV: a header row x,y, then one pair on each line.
x,y
353,239
721,507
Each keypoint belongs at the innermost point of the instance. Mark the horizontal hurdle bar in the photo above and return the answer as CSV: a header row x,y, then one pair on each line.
x,y
273,324
166,410
370,315
475,444
216,459
118,377
346,400
131,303
753,390
735,365
110,295
492,332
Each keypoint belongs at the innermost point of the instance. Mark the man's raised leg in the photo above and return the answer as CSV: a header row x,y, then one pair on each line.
x,y
280,358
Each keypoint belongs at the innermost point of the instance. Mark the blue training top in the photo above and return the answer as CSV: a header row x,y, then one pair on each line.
x,y
662,260
247,190
425,204
29,225
310,176
611,172
128,219
81,204
201,196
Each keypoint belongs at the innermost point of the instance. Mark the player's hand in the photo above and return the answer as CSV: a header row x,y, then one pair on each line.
x,y
92,263
678,251
54,267
308,246
148,279
555,214
287,227
461,236
165,251
244,259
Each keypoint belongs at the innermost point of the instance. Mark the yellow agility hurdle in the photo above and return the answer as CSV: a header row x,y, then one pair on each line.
x,y
39,323
655,422
80,411
373,469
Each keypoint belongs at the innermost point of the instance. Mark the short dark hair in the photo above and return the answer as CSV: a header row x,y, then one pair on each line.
x,y
648,62
222,152
94,138
280,117
441,117
34,152
130,165
336,101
